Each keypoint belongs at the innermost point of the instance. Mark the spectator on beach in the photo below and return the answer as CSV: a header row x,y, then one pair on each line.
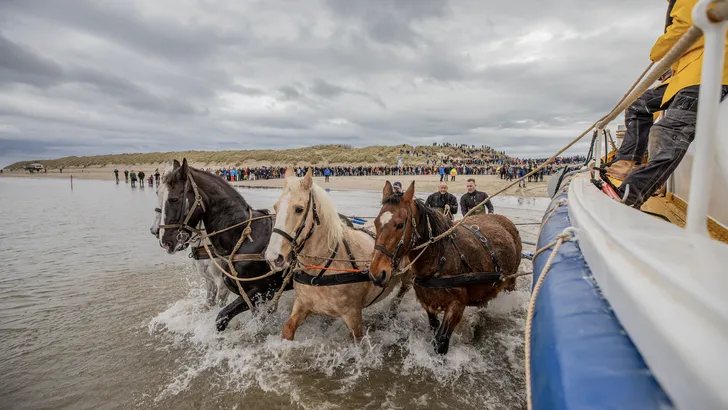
x,y
472,198
126,176
443,201
140,175
116,175
133,177
327,174
397,187
156,176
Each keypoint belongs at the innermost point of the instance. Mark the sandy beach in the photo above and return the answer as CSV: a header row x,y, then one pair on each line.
x,y
426,183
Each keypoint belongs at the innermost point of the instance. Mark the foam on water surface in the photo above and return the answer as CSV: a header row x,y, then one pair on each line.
x,y
324,368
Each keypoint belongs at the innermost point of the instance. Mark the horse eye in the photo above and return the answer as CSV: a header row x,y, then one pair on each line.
x,y
299,209
400,225
173,200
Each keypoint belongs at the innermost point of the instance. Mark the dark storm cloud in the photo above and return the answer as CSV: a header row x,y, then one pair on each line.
x,y
89,77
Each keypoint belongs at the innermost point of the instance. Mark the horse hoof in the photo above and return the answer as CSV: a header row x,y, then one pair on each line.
x,y
221,325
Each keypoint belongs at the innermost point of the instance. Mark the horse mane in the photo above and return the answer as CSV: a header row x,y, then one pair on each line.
x,y
328,215
438,221
210,184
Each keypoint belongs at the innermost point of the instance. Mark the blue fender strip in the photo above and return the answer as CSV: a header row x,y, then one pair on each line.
x,y
581,357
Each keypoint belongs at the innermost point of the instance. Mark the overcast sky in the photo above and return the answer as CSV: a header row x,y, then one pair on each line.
x,y
83,77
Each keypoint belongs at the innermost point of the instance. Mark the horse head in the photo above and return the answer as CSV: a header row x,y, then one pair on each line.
x,y
181,207
396,229
304,212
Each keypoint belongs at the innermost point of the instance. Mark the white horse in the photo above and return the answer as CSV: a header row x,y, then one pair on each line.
x,y
308,226
217,292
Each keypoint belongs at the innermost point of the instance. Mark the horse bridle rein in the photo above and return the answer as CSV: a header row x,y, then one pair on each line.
x,y
298,246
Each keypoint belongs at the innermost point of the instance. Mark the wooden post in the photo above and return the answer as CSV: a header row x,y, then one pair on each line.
x,y
71,182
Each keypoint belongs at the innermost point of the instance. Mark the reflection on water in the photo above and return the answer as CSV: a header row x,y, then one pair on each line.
x,y
93,314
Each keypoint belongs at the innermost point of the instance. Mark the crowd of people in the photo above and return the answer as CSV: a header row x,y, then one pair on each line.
x,y
139,178
473,161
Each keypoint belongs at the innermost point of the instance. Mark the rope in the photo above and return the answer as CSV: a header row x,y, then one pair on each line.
x,y
286,280
333,269
566,235
326,258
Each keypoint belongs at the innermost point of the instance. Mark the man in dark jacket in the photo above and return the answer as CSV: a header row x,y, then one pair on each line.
x,y
443,201
472,198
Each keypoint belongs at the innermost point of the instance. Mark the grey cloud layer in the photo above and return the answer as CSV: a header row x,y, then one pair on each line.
x,y
86,77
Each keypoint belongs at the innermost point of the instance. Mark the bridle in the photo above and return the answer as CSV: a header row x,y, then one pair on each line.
x,y
298,246
395,257
183,228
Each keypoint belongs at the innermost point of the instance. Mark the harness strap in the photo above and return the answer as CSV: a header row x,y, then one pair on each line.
x,y
331,280
486,244
351,255
329,262
460,280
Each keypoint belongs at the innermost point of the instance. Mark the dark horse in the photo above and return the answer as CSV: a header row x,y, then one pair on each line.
x,y
221,207
466,268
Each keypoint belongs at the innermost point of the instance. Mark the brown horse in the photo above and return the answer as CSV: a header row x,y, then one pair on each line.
x,y
489,244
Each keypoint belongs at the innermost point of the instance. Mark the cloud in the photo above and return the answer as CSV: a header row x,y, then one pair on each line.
x,y
93,77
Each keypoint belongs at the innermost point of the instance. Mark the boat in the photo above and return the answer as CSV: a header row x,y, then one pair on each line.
x,y
629,308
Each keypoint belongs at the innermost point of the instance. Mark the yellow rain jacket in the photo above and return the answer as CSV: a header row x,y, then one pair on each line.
x,y
687,72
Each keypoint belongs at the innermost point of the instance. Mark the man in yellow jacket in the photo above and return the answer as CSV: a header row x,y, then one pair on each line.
x,y
670,137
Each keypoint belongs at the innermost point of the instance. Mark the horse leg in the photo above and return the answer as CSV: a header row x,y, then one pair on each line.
x,y
353,320
211,292
434,321
510,285
298,315
405,286
453,315
227,314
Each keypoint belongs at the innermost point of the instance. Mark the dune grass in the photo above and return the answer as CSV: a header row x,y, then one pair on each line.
x,y
330,155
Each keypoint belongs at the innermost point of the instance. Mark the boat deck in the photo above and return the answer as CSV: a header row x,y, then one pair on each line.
x,y
675,209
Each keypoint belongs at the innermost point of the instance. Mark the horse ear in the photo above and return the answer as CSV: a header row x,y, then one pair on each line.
x,y
289,172
308,180
184,168
410,193
175,165
387,191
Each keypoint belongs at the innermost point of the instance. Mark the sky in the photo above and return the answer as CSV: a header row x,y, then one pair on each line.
x,y
86,77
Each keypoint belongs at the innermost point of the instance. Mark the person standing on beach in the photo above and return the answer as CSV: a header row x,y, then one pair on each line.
x,y
327,174
472,198
156,176
116,174
443,201
126,176
133,177
140,175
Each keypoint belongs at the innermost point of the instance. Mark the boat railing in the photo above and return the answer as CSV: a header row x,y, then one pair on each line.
x,y
710,19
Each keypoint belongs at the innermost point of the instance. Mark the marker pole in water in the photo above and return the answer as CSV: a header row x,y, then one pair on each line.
x,y
71,182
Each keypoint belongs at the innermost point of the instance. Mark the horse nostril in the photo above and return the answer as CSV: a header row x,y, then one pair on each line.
x,y
279,261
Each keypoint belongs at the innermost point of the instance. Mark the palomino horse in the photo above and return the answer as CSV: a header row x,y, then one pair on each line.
x,y
469,267
308,231
191,196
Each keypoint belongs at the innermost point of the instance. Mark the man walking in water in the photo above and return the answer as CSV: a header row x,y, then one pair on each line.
x,y
472,198
443,201
126,176
116,174
156,176
133,177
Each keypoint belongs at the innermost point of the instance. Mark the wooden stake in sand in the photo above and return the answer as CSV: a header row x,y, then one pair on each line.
x,y
71,182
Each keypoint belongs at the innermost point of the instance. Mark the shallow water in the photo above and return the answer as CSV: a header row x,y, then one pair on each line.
x,y
95,315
